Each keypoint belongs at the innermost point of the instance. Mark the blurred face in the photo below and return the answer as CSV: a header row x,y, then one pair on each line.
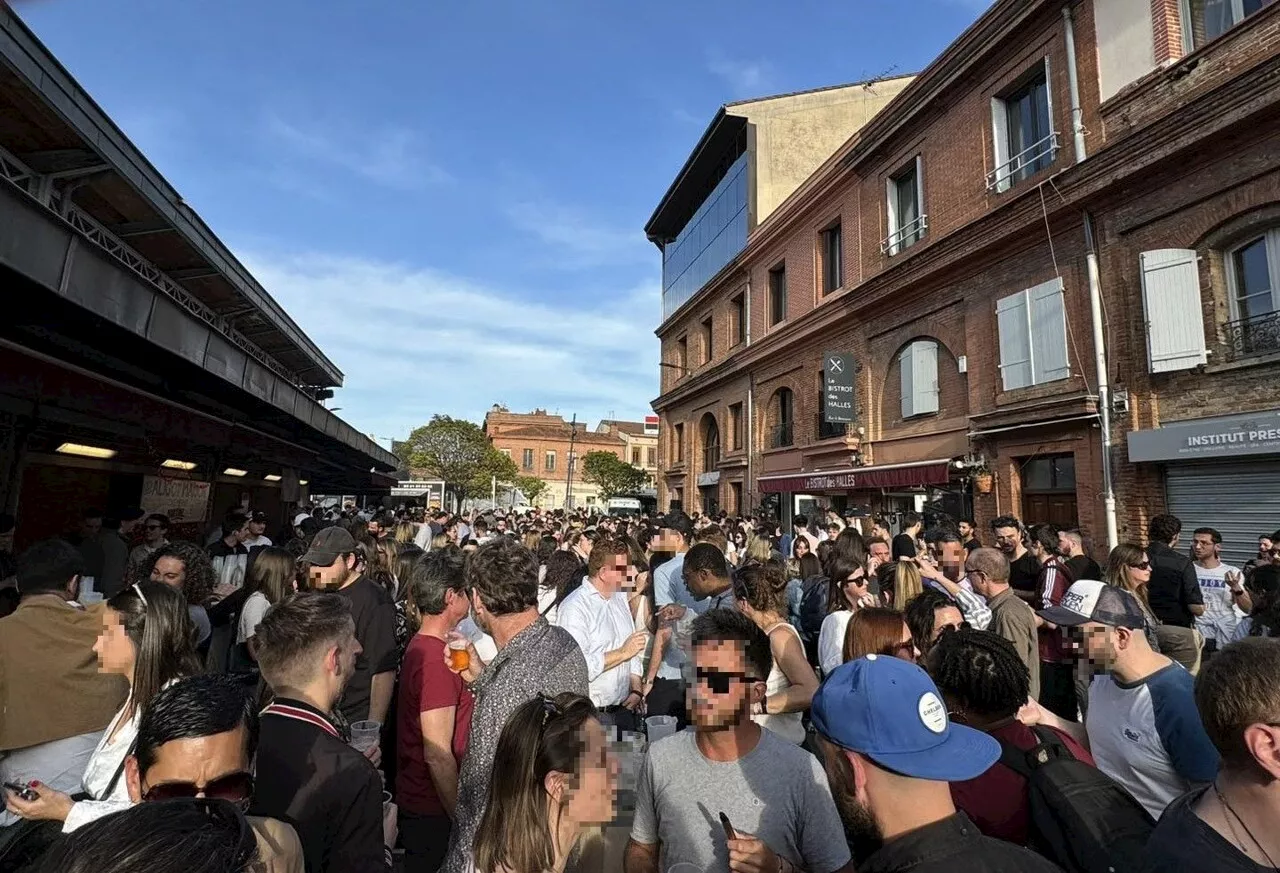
x,y
946,618
115,651
880,551
1203,547
588,796
1140,573
1008,539
170,571
334,575
213,766
154,531
723,689
1264,547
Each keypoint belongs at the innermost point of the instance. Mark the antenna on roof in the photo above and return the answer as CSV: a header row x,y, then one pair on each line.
x,y
871,83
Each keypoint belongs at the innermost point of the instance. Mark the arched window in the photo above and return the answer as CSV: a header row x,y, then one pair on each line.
x,y
918,363
710,443
784,419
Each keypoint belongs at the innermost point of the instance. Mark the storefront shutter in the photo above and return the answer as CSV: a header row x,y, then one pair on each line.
x,y
1239,500
1015,341
1173,307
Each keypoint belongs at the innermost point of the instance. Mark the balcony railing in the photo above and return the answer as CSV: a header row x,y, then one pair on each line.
x,y
1258,335
827,430
1008,172
907,235
782,435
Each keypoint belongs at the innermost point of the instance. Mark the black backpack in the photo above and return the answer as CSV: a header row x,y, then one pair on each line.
x,y
1080,817
813,611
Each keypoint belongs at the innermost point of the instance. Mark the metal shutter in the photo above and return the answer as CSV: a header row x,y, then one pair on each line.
x,y
1239,500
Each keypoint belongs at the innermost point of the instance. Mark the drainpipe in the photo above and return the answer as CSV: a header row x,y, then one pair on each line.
x,y
1104,384
749,426
1073,76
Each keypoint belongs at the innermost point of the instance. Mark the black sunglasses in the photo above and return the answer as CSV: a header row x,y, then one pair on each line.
x,y
720,681
1141,565
234,787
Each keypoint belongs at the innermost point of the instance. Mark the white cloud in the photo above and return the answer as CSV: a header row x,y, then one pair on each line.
x,y
387,155
580,240
744,78
415,342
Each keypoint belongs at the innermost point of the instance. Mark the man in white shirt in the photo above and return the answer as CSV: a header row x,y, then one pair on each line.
x,y
598,616
257,538
1225,599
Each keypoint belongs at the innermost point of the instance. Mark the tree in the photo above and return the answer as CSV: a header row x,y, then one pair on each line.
x,y
612,475
494,465
455,450
531,487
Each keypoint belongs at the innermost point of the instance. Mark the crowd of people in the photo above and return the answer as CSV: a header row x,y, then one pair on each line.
x,y
536,692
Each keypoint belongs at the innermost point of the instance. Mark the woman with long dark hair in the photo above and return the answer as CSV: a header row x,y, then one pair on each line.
x,y
1128,567
847,593
148,638
553,777
565,572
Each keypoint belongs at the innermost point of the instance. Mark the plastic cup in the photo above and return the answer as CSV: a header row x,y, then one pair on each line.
x,y
89,598
86,584
365,735
459,656
660,726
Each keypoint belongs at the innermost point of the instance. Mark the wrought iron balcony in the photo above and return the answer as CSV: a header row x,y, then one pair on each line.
x,y
1258,335
782,435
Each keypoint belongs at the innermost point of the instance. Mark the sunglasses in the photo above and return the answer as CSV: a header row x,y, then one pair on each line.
x,y
720,681
1142,565
234,787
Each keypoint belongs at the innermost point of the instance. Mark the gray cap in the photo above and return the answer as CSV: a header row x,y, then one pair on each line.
x,y
327,545
1090,600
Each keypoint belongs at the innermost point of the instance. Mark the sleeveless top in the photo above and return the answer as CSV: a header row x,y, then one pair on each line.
x,y
788,725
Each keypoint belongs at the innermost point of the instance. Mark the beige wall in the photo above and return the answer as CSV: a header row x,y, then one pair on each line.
x,y
1126,43
792,136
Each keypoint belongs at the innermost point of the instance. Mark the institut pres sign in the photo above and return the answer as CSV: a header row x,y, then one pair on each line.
x,y
1230,436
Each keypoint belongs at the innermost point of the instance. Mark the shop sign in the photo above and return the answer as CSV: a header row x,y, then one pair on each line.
x,y
430,492
1224,437
909,476
837,388
712,478
183,500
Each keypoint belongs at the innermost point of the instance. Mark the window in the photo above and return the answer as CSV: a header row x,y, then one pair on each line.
x,y
832,259
735,427
1205,20
905,197
707,339
527,459
677,450
1022,121
919,365
777,294
739,305
1253,277
506,452
735,494
682,356
635,457
1033,336
651,457
710,444
550,466
784,411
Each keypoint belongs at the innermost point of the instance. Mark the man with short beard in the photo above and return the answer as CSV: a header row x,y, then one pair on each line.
x,y
890,751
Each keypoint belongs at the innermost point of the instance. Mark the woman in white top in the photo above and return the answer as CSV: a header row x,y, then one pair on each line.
x,y
761,592
847,594
271,578
147,636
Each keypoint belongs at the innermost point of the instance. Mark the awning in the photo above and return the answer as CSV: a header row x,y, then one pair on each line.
x,y
937,472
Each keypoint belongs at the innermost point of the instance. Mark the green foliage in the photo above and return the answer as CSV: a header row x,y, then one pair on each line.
x,y
457,451
531,487
612,475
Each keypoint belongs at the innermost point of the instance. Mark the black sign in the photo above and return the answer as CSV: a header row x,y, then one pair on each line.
x,y
838,403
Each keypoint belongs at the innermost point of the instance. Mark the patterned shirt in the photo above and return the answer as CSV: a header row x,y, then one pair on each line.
x,y
539,659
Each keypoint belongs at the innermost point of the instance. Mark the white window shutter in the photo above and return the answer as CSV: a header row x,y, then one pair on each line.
x,y
907,362
924,370
1015,341
920,192
1000,133
891,198
1048,319
1172,303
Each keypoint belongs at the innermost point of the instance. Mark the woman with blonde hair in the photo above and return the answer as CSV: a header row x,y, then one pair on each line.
x,y
759,550
761,592
404,532
1128,567
907,583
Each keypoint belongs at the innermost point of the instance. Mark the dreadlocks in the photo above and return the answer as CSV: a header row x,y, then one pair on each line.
x,y
981,671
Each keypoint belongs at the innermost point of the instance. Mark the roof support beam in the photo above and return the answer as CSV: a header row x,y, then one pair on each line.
x,y
142,228
51,161
192,273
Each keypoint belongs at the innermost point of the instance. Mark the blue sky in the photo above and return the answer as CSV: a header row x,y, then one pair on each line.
x,y
449,195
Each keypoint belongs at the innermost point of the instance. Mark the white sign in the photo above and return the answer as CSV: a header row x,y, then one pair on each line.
x,y
183,500
712,478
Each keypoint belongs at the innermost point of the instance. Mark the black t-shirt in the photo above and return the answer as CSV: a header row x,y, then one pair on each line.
x,y
1024,573
973,545
1084,567
375,617
904,546
1173,588
1182,843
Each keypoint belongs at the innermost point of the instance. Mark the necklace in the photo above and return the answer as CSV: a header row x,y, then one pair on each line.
x,y
1231,813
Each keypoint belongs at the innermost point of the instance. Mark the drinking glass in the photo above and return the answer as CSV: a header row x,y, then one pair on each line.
x,y
365,734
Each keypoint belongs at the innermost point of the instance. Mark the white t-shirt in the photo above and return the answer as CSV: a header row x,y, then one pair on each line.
x,y
257,542
255,607
1220,613
831,640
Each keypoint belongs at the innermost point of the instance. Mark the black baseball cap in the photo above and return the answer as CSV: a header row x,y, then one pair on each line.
x,y
327,545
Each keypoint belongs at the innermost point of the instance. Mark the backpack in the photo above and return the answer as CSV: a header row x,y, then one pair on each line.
x,y
813,611
1080,817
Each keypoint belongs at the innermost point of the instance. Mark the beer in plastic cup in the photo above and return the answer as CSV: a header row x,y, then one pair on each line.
x,y
459,656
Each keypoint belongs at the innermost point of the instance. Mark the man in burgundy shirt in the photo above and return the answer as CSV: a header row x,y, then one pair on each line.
x,y
984,684
1057,657
434,714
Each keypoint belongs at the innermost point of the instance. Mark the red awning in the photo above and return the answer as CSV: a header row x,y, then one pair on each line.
x,y
861,478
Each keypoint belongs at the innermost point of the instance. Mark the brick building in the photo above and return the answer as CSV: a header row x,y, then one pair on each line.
x,y
1061,238
550,448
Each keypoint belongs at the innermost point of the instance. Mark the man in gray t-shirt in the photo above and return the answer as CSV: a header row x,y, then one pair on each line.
x,y
774,793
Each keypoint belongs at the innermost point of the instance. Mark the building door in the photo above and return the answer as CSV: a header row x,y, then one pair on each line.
x,y
1239,501
1049,491
735,495
710,499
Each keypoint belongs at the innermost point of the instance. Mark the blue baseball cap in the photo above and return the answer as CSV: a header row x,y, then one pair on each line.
x,y
889,710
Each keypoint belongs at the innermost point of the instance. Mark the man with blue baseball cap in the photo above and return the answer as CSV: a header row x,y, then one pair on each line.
x,y
890,750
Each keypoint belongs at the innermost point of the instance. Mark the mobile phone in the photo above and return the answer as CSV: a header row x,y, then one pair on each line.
x,y
27,794
729,832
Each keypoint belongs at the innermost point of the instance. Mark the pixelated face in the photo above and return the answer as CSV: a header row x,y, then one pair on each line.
x,y
950,555
1008,539
116,652
614,572
1097,642
721,692
170,571
334,575
590,795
